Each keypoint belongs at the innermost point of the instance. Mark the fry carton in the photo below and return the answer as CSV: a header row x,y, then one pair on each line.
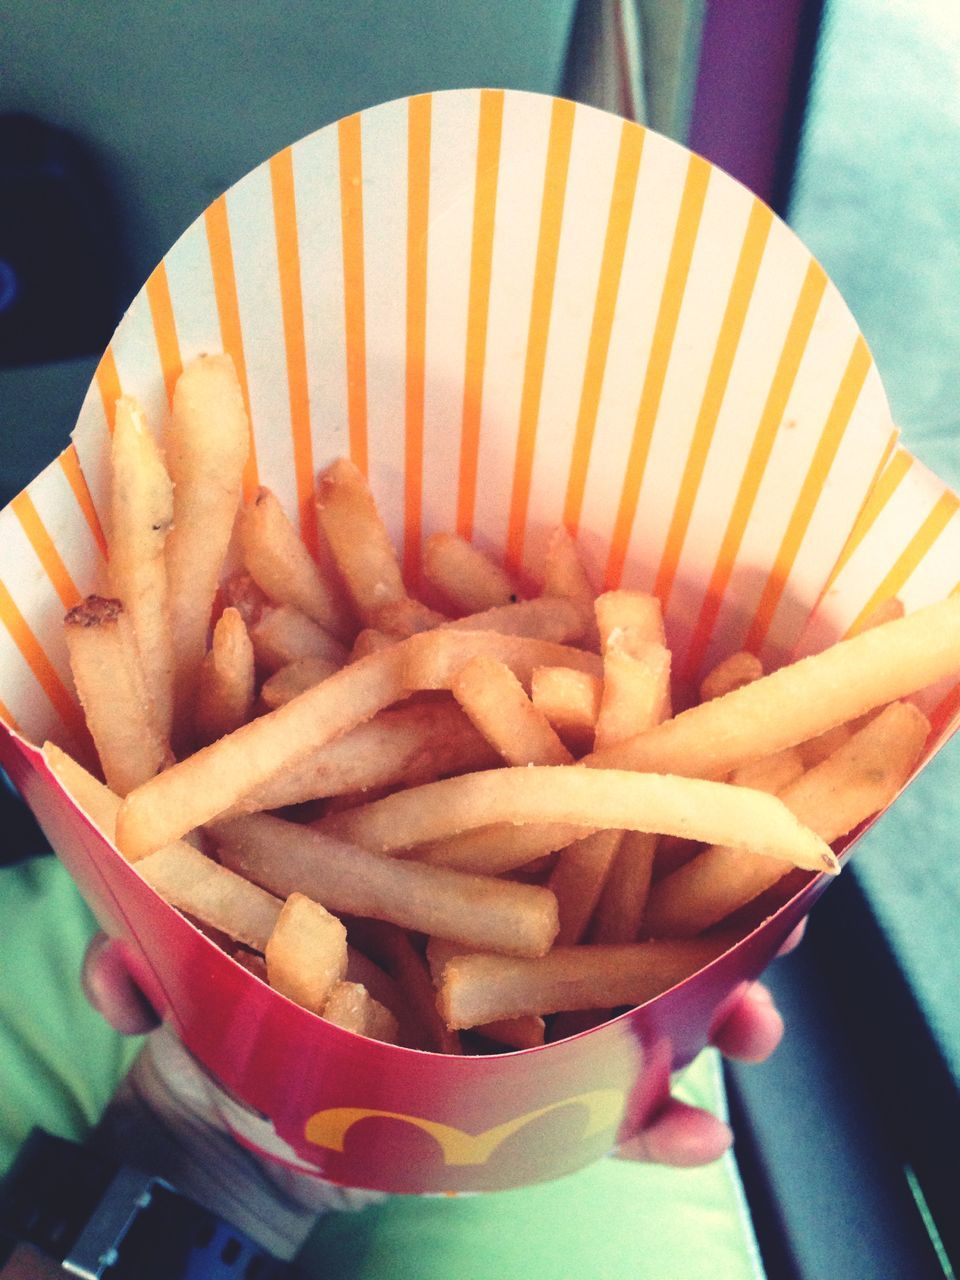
x,y
510,312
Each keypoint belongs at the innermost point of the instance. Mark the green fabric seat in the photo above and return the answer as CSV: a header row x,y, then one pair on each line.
x,y
59,1065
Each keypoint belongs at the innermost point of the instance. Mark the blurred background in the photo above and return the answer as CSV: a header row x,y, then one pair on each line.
x,y
119,124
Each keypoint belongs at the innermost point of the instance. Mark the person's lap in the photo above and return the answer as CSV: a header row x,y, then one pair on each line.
x,y
59,1065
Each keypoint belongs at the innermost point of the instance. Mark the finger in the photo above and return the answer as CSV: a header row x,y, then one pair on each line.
x,y
681,1136
109,987
753,1028
793,939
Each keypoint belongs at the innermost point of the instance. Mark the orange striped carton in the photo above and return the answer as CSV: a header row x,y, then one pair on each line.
x,y
510,312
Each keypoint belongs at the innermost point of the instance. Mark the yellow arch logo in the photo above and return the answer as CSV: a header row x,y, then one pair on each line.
x,y
329,1128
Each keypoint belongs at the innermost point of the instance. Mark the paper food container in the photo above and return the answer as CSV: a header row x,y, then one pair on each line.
x,y
509,311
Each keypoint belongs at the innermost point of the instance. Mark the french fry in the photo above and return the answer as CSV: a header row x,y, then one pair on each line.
x,y
141,512
577,880
207,442
394,949
283,634
565,577
771,774
113,693
358,539
813,751
368,641
624,895
498,848
218,898
495,701
252,961
732,673
478,911
405,617
225,688
862,776
798,702
432,660
217,777
99,803
283,568
479,989
464,576
636,687
546,618
352,1007
295,678
306,953
584,797
384,989
571,702
404,745
632,611
525,1032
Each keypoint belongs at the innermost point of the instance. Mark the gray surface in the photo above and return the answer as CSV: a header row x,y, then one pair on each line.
x,y
878,201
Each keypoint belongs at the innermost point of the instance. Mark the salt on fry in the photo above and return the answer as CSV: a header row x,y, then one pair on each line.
x,y
636,687
296,677
478,911
633,611
546,618
571,702
352,1007
306,953
283,568
732,673
141,512
464,575
432,660
494,699
282,635
358,539
802,700
611,798
207,442
862,776
113,693
211,781
226,685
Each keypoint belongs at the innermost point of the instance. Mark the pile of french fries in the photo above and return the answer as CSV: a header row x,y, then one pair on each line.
x,y
438,819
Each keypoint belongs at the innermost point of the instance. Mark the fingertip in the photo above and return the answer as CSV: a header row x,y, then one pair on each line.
x,y
682,1137
111,990
753,1029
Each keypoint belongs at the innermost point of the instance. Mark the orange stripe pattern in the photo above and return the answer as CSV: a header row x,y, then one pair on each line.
x,y
217,223
291,306
544,278
608,287
668,314
731,328
45,551
70,466
418,206
913,553
8,718
791,355
838,419
108,384
164,327
351,220
490,131
36,659
880,494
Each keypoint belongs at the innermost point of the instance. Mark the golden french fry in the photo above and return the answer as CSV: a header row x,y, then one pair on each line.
x,y
252,961
207,442
99,803
624,896
295,678
368,641
636,687
771,774
860,778
352,1007
577,880
283,568
141,512
306,953
571,702
814,750
610,798
466,577
732,673
478,911
225,688
407,966
113,693
432,660
407,617
629,610
798,702
546,618
494,699
358,539
405,745
214,895
564,576
217,777
479,989
283,634
501,847
526,1032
